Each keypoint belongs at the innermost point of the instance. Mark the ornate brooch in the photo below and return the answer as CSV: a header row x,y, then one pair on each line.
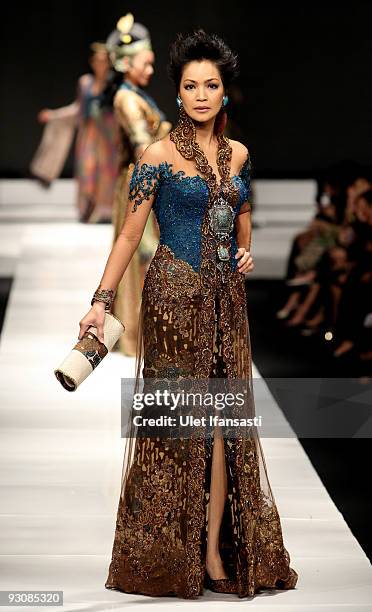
x,y
221,222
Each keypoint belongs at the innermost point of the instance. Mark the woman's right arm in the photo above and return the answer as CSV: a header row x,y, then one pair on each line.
x,y
71,111
143,186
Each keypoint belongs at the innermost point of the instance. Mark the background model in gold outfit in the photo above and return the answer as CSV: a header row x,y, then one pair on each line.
x,y
141,124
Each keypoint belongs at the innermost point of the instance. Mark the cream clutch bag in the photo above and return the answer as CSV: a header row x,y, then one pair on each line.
x,y
88,353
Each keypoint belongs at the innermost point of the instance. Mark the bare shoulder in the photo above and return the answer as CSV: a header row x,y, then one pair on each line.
x,y
126,99
85,79
158,151
239,151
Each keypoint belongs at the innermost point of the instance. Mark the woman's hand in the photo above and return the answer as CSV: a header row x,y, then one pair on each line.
x,y
95,317
246,261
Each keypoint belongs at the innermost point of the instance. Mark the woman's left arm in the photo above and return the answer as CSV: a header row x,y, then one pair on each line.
x,y
243,221
243,226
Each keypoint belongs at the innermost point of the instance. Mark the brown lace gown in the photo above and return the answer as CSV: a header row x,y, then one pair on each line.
x,y
194,326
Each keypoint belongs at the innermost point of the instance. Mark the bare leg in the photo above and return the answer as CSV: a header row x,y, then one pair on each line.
x,y
291,303
303,309
344,347
336,293
316,319
218,491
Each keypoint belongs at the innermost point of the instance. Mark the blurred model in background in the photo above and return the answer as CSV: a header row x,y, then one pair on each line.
x,y
141,123
97,142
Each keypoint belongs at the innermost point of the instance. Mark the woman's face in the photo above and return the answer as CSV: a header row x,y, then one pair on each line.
x,y
141,68
201,90
100,64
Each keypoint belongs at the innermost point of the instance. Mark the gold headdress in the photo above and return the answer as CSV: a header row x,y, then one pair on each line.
x,y
128,39
124,25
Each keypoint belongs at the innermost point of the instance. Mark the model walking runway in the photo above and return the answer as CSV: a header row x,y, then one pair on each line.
x,y
219,514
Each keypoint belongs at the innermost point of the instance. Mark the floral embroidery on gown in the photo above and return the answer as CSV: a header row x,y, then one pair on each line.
x,y
193,325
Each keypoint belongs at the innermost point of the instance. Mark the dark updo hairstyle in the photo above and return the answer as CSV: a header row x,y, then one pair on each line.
x,y
202,46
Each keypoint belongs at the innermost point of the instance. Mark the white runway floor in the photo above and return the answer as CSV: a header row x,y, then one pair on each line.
x,y
61,453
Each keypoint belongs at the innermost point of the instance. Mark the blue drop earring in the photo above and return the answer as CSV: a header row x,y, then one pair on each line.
x,y
179,101
225,101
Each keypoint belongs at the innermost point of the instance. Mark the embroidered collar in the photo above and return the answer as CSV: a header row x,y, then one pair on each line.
x,y
184,137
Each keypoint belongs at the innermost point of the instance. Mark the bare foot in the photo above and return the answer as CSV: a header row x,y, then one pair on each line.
x,y
283,313
292,303
215,568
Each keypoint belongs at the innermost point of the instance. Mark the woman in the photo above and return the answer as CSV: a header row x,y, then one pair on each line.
x,y
196,509
306,253
141,123
96,153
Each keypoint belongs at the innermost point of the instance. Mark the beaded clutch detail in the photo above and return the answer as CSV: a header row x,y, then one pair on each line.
x,y
88,353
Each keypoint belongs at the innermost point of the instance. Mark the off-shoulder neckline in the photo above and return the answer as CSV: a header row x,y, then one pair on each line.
x,y
182,174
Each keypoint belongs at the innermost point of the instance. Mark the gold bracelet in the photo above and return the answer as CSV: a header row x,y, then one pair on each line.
x,y
104,295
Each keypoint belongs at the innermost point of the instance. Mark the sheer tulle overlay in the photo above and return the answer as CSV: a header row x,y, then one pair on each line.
x,y
194,325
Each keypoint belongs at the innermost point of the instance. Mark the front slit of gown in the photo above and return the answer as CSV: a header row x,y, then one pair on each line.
x,y
226,536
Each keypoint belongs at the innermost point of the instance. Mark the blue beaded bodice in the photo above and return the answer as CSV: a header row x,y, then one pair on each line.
x,y
179,205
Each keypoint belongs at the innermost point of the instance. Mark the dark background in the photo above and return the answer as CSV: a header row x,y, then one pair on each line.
x,y
305,73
